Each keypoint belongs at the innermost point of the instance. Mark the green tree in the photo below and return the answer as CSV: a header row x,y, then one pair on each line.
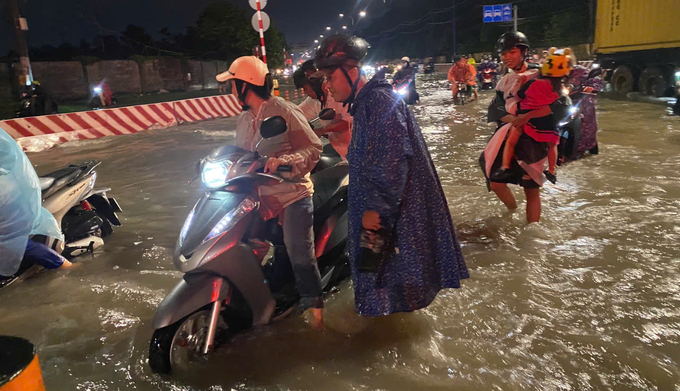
x,y
224,31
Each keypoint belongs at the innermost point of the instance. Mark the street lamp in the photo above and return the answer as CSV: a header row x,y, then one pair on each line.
x,y
321,36
344,27
316,41
328,28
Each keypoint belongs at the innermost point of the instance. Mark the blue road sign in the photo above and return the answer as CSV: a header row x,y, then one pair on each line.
x,y
507,13
498,13
488,14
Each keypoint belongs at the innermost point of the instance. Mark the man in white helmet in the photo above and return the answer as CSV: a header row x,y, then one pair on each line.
x,y
291,200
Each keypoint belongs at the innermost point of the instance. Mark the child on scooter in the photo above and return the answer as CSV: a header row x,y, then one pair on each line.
x,y
534,115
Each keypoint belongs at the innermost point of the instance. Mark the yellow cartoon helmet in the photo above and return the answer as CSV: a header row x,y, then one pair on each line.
x,y
558,63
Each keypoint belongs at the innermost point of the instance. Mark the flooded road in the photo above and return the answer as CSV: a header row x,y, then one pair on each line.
x,y
587,299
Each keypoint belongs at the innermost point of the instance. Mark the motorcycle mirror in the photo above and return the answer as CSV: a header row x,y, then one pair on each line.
x,y
327,114
595,73
273,126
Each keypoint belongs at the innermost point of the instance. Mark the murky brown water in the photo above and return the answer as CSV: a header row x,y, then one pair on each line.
x,y
588,299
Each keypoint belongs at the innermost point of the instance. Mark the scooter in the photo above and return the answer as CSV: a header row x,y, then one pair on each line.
x,y
488,79
237,272
86,215
569,125
405,91
462,96
36,101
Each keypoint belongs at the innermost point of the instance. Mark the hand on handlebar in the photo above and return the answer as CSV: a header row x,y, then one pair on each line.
x,y
273,164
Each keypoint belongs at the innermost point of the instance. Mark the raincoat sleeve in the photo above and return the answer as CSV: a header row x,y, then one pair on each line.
x,y
21,212
304,142
451,75
385,167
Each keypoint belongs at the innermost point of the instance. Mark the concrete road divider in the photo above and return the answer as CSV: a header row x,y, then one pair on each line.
x,y
39,133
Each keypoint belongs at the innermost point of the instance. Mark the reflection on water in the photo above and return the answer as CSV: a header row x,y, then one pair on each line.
x,y
587,299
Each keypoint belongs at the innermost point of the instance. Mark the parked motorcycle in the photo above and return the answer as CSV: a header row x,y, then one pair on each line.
x,y
36,101
237,271
86,215
488,79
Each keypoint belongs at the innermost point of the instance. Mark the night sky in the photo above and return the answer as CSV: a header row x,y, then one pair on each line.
x,y
52,22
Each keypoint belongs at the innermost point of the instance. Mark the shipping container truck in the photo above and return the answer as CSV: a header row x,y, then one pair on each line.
x,y
640,41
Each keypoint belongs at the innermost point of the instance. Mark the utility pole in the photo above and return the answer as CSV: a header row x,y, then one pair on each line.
x,y
454,29
514,18
20,25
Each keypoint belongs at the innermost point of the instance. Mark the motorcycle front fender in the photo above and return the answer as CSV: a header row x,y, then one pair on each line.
x,y
194,291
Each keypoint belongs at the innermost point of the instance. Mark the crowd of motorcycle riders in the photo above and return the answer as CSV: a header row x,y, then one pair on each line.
x,y
401,243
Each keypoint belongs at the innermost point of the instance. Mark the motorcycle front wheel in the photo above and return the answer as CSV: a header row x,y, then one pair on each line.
x,y
180,344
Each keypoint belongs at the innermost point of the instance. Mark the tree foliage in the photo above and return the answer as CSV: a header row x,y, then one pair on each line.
x,y
222,32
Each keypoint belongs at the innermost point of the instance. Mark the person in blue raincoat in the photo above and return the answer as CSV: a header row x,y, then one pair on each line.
x,y
21,214
394,186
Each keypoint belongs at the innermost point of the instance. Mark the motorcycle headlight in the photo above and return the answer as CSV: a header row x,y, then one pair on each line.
x,y
573,110
231,218
402,91
214,174
97,90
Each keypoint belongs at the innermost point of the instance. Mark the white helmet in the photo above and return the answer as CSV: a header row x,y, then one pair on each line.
x,y
247,68
405,59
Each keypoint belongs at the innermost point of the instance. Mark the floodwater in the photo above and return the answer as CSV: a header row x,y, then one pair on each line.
x,y
588,299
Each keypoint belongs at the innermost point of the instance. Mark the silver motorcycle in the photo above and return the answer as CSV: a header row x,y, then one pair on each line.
x,y
236,269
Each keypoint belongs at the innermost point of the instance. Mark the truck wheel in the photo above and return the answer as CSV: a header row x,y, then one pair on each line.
x,y
654,81
623,80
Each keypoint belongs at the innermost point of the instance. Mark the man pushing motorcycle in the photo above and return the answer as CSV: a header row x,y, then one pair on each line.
x,y
291,200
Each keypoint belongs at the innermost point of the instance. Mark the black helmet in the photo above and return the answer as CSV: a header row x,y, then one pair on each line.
x,y
301,75
510,40
338,48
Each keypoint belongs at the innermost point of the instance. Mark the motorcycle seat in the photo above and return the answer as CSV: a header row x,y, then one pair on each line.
x,y
328,182
45,183
329,158
57,180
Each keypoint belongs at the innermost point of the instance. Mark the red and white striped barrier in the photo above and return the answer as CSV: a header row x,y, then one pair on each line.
x,y
192,110
39,133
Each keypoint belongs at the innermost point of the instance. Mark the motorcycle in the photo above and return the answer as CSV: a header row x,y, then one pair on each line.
x,y
570,125
236,269
462,96
36,102
407,92
488,79
86,215
429,68
95,100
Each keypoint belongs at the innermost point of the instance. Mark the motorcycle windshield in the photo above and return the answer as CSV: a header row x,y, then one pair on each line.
x,y
207,213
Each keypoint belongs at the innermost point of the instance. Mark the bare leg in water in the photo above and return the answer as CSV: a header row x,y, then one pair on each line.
x,y
533,205
504,193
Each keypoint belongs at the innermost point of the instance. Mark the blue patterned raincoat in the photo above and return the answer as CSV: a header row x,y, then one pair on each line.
x,y
391,172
